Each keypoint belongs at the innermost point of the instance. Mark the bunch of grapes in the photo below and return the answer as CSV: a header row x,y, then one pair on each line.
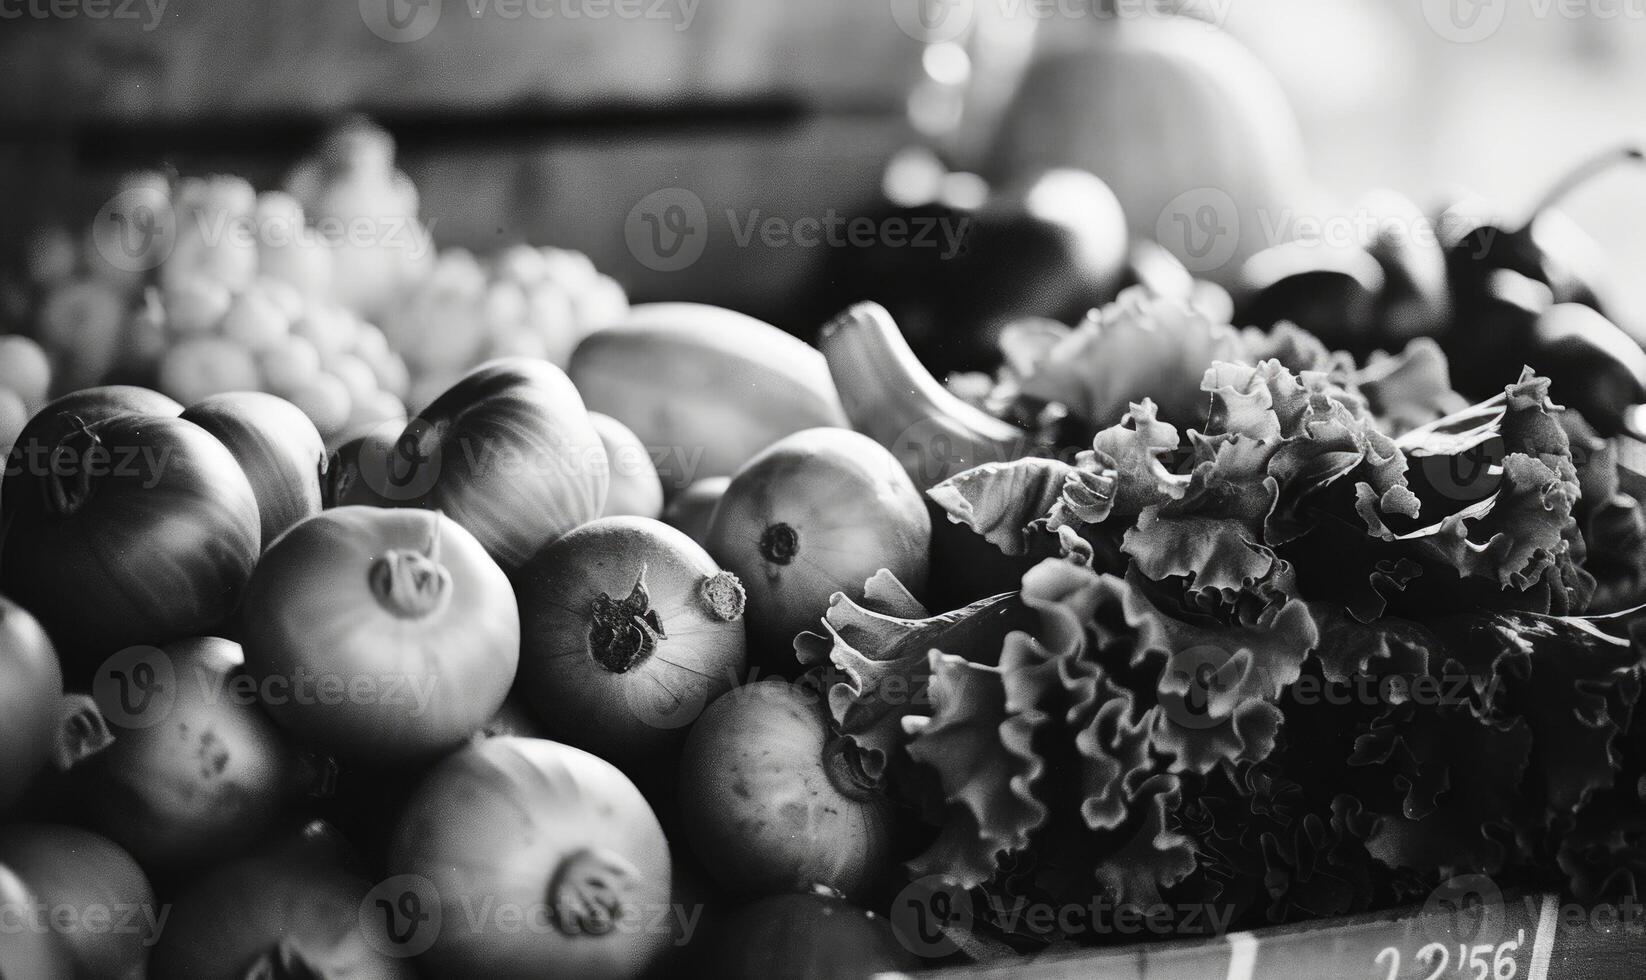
x,y
367,211
524,301
205,286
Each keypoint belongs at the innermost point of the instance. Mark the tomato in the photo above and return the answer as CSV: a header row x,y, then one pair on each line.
x,y
140,530
197,771
277,447
816,513
509,453
65,415
636,489
38,723
629,630
77,869
771,802
30,948
385,634
806,936
556,849
293,910
692,510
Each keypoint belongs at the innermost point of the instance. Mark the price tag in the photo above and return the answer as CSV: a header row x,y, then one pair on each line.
x,y
1470,933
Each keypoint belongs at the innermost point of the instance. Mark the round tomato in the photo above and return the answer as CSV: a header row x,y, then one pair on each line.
x,y
30,948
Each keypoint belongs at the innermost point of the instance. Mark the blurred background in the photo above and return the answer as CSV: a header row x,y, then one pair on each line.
x,y
612,126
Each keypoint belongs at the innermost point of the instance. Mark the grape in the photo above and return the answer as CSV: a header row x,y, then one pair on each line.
x,y
356,376
367,416
25,370
571,269
287,297
329,328
216,232
520,344
145,341
203,366
289,366
256,321
52,256
522,264
196,305
325,400
392,374
81,323
601,304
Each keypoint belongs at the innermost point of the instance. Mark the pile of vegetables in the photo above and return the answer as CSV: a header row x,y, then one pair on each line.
x,y
682,645
1301,658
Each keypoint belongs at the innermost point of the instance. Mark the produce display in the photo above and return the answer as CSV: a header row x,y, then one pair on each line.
x,y
657,641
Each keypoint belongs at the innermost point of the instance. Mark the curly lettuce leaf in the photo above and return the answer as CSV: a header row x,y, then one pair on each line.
x,y
1138,346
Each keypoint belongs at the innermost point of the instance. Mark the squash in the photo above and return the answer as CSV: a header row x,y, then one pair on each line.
x,y
816,513
1189,129
707,386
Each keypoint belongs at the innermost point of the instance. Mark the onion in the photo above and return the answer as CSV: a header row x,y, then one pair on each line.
x,y
118,920
381,634
33,447
693,508
636,489
294,911
38,722
771,802
277,447
816,513
32,951
509,453
542,860
629,631
141,529
197,771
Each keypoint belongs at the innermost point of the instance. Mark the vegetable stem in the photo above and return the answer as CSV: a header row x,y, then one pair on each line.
x,y
623,632
779,544
68,484
410,584
1582,174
